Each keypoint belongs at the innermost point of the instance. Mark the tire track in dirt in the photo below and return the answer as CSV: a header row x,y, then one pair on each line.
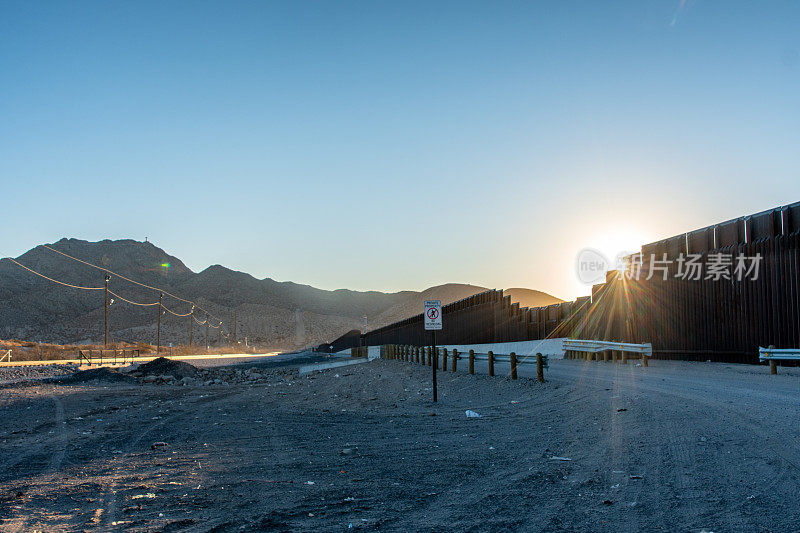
x,y
53,464
110,492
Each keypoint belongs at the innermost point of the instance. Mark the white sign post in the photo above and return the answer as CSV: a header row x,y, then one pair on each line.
x,y
433,322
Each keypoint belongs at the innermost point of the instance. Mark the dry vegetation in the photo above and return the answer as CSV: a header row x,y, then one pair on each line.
x,y
36,351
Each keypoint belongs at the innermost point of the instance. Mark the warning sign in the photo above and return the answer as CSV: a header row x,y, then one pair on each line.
x,y
433,315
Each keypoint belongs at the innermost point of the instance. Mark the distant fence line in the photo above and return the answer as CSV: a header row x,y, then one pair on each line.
x,y
706,319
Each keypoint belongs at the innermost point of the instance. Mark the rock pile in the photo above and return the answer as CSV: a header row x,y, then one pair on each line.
x,y
22,373
164,371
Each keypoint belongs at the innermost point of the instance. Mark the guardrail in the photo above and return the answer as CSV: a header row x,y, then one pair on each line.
x,y
773,355
422,355
7,354
111,356
611,350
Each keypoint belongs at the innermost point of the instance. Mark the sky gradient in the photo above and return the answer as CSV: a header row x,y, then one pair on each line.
x,y
394,145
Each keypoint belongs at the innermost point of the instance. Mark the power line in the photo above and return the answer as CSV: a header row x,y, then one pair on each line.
x,y
117,295
130,280
55,280
173,312
130,302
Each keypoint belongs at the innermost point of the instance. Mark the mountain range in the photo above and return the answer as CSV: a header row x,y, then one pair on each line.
x,y
272,314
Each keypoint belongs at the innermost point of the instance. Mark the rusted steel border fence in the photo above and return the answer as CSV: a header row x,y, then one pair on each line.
x,y
722,320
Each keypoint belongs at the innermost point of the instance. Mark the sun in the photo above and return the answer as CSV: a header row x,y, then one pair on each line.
x,y
617,242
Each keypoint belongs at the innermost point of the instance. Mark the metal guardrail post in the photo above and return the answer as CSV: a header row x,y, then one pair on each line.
x,y
491,363
513,361
472,362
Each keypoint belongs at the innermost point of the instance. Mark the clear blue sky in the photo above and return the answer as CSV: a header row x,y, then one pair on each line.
x,y
394,145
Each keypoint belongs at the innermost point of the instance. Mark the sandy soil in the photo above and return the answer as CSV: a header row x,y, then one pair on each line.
x,y
599,447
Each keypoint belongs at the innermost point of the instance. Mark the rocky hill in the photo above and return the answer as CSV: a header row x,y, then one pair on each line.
x,y
274,315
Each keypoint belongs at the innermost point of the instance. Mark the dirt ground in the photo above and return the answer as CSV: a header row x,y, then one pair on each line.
x,y
596,448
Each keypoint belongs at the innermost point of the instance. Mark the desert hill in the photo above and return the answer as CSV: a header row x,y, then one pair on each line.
x,y
274,315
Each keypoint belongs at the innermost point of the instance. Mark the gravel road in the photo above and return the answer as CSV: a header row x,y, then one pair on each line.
x,y
599,447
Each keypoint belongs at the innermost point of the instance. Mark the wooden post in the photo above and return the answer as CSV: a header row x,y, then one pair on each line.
x,y
444,359
513,365
624,357
491,363
605,356
613,356
455,359
539,368
645,359
773,365
472,362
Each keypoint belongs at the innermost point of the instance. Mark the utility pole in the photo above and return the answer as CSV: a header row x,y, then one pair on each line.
x,y
158,335
105,314
219,335
206,330
191,326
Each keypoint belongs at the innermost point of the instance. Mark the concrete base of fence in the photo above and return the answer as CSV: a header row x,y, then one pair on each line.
x,y
307,369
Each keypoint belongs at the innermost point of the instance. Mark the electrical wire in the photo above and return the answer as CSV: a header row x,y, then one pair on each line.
x,y
130,302
55,280
158,303
173,312
115,294
130,280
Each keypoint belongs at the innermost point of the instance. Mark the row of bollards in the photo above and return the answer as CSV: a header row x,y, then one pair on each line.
x,y
615,356
424,355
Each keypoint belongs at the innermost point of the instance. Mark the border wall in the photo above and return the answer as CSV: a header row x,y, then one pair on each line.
x,y
706,319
